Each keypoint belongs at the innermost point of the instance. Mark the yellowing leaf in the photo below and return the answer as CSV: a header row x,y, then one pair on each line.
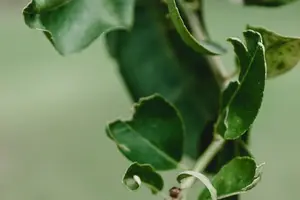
x,y
282,53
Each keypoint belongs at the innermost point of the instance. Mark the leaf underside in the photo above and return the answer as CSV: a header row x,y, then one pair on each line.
x,y
202,178
203,47
146,174
72,25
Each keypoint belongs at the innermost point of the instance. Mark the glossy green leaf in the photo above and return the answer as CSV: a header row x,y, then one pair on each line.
x,y
152,58
137,174
202,178
282,53
242,99
72,25
270,3
154,135
235,177
204,47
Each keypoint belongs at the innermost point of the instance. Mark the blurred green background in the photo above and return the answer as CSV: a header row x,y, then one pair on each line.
x,y
53,111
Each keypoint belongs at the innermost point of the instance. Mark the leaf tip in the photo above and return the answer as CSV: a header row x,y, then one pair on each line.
x,y
234,40
137,174
253,34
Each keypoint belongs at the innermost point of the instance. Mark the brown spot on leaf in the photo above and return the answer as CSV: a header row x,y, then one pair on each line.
x,y
289,49
293,46
280,66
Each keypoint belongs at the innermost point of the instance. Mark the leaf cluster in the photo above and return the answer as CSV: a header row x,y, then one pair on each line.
x,y
184,105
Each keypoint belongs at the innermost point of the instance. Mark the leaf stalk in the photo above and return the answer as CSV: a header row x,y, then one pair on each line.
x,y
200,165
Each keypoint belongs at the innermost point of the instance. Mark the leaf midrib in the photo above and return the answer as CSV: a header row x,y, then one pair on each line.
x,y
163,154
243,79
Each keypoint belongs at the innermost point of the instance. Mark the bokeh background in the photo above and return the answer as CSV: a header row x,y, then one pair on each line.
x,y
53,111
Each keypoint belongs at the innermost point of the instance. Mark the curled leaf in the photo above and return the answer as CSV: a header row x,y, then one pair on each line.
x,y
132,183
137,174
205,47
200,177
72,25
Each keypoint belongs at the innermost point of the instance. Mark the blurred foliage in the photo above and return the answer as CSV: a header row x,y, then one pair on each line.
x,y
39,122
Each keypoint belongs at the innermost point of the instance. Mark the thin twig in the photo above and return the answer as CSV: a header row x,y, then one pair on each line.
x,y
220,74
163,195
203,162
215,62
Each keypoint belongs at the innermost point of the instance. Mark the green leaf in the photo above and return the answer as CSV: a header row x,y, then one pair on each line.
x,y
242,98
143,173
282,53
270,3
234,178
164,64
256,180
72,25
210,188
154,135
204,47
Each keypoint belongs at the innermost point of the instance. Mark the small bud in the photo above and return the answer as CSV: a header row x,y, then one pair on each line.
x,y
174,192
